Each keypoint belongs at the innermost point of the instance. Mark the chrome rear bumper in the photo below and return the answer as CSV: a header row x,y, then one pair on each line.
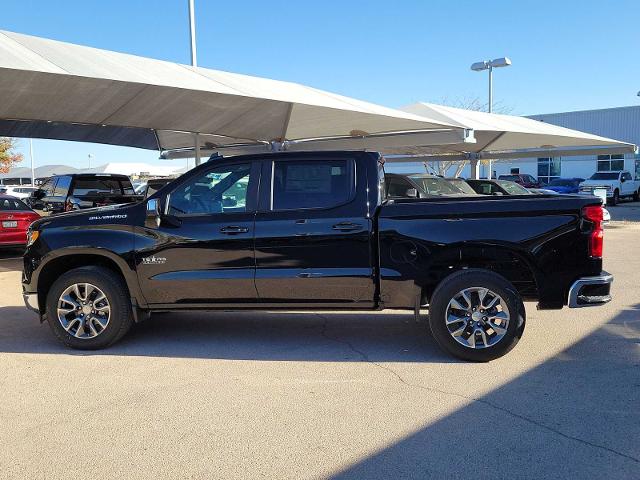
x,y
590,291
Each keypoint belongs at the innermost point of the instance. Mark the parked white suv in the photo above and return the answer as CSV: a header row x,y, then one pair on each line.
x,y
618,185
20,191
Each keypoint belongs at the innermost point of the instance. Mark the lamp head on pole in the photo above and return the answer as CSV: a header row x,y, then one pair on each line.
x,y
488,64
480,66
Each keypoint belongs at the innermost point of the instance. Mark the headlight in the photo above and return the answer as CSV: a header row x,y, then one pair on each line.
x,y
32,236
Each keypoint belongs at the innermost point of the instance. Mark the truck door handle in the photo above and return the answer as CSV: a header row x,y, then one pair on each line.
x,y
233,230
347,226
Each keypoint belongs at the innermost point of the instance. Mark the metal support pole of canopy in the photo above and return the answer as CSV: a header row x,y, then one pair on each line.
x,y
475,169
197,148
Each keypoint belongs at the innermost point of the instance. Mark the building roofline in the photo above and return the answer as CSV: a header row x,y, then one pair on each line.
x,y
584,111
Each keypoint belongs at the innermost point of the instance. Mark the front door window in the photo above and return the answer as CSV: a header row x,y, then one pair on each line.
x,y
222,190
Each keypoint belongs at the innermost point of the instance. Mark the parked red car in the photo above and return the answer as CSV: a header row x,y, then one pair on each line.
x,y
15,218
523,179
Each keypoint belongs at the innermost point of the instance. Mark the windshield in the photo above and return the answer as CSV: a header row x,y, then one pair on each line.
x,y
435,185
512,188
605,176
512,178
461,185
102,186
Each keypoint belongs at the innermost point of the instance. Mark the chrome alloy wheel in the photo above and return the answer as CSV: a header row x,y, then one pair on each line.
x,y
477,317
84,310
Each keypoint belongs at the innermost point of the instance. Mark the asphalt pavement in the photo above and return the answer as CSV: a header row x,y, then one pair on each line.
x,y
326,395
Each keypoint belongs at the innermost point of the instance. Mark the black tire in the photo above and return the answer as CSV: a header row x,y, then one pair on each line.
x,y
459,281
615,199
121,317
636,195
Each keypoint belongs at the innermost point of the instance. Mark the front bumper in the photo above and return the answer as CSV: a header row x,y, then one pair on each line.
x,y
591,291
591,192
31,301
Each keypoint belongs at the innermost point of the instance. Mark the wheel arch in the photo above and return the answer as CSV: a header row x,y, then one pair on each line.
x,y
62,261
503,260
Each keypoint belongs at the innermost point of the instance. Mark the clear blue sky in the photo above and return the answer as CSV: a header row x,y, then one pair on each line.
x,y
567,55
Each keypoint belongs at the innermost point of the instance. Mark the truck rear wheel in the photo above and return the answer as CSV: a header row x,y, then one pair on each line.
x,y
88,308
476,315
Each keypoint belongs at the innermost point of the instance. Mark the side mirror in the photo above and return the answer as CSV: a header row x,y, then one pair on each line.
x,y
412,192
622,180
153,214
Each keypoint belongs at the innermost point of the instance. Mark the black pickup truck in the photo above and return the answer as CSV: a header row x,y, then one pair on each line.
x,y
63,193
315,231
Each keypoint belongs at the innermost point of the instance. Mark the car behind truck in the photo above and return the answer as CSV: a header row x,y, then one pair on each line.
x,y
316,231
617,184
63,193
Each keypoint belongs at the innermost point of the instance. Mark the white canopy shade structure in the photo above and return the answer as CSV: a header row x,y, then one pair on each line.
x,y
51,89
508,136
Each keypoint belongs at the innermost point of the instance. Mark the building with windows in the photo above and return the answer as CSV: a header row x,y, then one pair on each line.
x,y
622,123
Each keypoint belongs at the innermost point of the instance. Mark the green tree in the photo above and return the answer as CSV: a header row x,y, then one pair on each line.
x,y
8,155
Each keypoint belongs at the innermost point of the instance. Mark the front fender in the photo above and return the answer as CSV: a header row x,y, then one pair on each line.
x,y
52,254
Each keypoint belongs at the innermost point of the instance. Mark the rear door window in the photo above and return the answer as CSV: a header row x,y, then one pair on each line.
x,y
298,184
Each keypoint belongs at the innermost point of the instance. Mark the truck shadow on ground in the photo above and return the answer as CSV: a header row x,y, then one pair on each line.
x,y
268,336
574,416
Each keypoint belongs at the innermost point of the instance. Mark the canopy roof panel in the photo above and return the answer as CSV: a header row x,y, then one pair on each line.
x,y
502,134
88,93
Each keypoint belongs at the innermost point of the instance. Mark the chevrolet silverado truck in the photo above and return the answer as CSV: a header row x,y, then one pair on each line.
x,y
618,184
316,231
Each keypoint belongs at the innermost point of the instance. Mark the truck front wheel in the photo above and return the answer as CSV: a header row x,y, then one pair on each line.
x,y
476,315
88,308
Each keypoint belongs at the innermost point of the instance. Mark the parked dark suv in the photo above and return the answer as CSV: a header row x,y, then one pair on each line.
x,y
524,179
63,193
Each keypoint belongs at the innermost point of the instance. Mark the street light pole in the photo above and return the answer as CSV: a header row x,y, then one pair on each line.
x,y
194,63
490,106
478,67
192,33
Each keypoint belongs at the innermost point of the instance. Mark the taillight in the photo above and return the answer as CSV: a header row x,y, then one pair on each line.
x,y
594,214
